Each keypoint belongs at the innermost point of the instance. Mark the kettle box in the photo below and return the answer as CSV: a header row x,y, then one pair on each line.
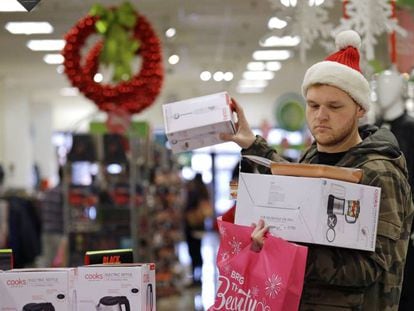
x,y
197,122
37,289
311,210
122,287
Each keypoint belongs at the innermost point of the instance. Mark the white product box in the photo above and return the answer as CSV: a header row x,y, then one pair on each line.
x,y
37,289
311,210
116,287
197,122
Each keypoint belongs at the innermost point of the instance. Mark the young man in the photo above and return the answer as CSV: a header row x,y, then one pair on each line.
x,y
337,96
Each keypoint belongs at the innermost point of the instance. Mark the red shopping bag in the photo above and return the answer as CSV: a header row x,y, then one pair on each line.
x,y
269,280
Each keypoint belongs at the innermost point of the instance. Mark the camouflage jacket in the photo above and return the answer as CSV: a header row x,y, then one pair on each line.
x,y
345,279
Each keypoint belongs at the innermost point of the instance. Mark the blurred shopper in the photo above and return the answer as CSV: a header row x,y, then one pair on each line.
x,y
51,205
338,97
197,209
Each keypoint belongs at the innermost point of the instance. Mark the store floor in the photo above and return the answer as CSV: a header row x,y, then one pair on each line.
x,y
196,298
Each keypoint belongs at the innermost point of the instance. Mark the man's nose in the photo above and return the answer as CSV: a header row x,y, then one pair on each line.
x,y
322,113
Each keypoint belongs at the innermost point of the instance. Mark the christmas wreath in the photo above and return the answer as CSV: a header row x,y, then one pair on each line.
x,y
130,95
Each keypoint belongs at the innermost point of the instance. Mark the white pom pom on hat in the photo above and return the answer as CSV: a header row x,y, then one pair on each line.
x,y
341,69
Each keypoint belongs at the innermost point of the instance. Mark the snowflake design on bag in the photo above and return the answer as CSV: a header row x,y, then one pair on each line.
x,y
235,246
273,286
222,230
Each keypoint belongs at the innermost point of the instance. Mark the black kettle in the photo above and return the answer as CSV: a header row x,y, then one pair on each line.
x,y
43,306
113,303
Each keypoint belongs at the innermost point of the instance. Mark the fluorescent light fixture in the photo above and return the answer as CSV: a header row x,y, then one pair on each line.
x,y
174,59
205,75
253,66
228,76
170,32
316,2
280,41
46,45
253,83
271,54
246,90
258,75
28,28
69,91
289,3
11,6
53,59
218,76
273,66
276,23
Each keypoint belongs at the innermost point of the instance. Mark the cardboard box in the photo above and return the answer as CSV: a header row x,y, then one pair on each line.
x,y
197,122
46,289
99,287
311,210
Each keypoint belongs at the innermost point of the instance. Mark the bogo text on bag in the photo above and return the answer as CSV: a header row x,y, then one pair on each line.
x,y
269,280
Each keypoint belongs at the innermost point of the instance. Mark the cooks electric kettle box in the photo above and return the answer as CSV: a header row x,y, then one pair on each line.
x,y
37,289
122,287
197,122
311,210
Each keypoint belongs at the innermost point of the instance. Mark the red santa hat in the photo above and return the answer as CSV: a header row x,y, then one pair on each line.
x,y
341,70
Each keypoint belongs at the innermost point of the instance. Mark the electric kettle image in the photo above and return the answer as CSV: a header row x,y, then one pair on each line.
x,y
44,306
339,206
113,303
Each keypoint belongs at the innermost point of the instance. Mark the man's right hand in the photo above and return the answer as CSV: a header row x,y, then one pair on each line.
x,y
244,136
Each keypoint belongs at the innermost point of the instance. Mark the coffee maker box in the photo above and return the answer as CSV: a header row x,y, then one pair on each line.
x,y
311,210
37,289
116,287
197,122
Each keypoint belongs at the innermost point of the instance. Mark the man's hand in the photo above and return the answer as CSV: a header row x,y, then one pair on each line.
x,y
244,136
258,235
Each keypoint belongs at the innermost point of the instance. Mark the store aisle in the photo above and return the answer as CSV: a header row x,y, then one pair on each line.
x,y
196,298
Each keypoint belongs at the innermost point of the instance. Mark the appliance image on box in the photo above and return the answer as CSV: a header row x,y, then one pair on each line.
x,y
44,306
150,299
111,303
338,205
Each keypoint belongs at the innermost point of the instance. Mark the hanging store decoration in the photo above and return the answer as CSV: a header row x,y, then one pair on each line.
x,y
308,20
128,93
370,18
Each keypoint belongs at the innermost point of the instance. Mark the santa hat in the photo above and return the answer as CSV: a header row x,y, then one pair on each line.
x,y
341,70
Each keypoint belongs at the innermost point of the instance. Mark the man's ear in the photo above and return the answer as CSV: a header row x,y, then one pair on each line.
x,y
360,111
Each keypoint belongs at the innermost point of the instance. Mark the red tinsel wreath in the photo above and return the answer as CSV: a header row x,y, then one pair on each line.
x,y
131,96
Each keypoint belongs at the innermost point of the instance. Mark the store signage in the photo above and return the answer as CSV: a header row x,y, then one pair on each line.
x,y
28,4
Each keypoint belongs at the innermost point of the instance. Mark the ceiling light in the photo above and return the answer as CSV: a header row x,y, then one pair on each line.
x,y
218,76
280,41
28,28
98,77
252,66
11,6
276,23
53,59
46,45
271,54
258,75
316,2
253,83
205,75
289,3
170,32
273,66
174,59
69,91
244,90
228,76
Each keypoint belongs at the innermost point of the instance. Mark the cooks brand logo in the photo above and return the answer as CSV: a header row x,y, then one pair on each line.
x,y
94,276
16,283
